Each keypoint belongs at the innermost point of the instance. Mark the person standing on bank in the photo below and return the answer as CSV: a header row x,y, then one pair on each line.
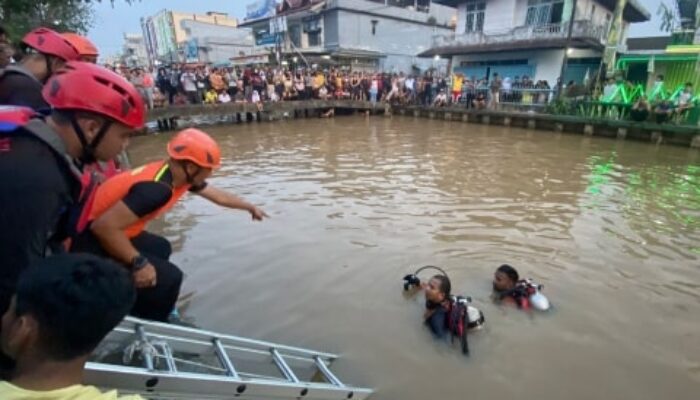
x,y
125,204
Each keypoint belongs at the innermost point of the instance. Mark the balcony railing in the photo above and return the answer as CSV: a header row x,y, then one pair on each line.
x,y
581,30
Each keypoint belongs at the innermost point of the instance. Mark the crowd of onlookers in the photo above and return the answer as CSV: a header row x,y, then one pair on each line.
x,y
182,84
202,84
660,105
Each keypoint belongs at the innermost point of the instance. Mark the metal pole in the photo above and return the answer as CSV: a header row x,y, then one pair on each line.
x,y
566,50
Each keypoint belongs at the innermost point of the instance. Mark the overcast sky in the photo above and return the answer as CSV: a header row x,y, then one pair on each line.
x,y
122,18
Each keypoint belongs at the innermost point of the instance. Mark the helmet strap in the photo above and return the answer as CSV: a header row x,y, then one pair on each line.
x,y
49,70
188,176
89,148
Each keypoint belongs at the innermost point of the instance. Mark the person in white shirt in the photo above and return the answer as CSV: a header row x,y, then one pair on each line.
x,y
224,97
189,83
685,99
440,99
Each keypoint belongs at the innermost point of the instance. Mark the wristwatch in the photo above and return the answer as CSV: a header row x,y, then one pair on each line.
x,y
138,262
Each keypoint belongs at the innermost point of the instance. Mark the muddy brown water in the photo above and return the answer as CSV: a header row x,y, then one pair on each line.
x,y
611,228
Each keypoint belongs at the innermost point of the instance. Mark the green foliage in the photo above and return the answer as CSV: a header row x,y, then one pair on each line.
x,y
558,106
21,16
669,17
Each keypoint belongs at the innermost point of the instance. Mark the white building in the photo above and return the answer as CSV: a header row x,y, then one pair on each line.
x,y
212,37
134,50
529,37
216,44
362,34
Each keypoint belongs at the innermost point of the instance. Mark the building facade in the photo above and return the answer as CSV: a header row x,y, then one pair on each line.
x,y
134,51
361,34
182,37
516,38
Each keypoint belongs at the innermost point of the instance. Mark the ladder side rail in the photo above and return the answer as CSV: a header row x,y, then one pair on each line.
x,y
193,385
158,328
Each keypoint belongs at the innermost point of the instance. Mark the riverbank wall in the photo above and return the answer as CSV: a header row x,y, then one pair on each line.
x,y
678,135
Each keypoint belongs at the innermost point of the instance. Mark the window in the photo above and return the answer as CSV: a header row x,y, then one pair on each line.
x,y
592,12
544,12
312,27
475,16
314,38
295,35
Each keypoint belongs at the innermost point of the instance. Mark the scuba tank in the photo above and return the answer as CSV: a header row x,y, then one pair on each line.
x,y
531,295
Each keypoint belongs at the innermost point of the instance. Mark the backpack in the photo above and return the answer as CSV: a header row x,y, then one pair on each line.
x,y
461,317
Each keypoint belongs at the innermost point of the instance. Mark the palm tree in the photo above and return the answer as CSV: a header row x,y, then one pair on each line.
x,y
669,17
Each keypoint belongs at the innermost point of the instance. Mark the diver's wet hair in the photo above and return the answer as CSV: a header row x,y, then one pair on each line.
x,y
509,271
445,285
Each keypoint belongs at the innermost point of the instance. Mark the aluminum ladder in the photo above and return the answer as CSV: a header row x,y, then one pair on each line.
x,y
163,361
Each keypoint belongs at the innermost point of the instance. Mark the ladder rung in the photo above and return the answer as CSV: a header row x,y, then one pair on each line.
x,y
168,353
224,359
147,357
327,372
283,367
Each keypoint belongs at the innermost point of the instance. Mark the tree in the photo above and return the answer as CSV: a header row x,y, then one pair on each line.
x,y
669,17
20,16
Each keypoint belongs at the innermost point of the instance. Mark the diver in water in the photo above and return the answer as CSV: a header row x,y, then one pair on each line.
x,y
437,304
445,314
505,280
508,288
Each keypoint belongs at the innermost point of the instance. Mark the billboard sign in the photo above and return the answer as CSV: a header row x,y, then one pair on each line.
x,y
260,9
265,38
192,51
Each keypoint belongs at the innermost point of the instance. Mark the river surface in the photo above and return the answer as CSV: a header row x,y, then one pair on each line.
x,y
611,228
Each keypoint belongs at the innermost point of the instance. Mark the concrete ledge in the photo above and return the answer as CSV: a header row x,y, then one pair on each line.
x,y
679,135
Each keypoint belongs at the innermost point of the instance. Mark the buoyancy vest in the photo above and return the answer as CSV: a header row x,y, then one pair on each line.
x,y
117,187
25,121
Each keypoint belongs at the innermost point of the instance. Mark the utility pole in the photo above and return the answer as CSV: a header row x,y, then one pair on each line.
x,y
565,59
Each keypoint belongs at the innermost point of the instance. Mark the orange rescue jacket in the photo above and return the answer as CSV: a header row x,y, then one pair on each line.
x,y
117,187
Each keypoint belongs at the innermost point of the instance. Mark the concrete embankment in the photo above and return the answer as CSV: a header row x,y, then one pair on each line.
x,y
679,135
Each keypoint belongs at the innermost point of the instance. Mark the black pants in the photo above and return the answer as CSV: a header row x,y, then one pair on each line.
x,y
154,303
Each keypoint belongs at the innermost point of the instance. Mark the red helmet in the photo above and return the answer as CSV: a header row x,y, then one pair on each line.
x,y
50,42
89,87
87,50
196,146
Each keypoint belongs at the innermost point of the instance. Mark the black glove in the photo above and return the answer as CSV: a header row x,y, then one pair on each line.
x,y
410,280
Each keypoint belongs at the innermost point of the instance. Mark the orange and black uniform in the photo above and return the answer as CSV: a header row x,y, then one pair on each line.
x,y
148,192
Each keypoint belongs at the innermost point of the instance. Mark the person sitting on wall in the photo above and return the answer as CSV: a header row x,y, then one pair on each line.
x,y
480,101
640,110
210,96
440,99
63,307
685,100
224,97
663,111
